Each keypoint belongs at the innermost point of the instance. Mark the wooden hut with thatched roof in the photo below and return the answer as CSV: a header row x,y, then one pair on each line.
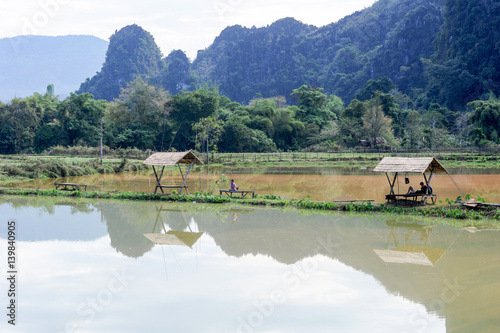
x,y
162,160
404,165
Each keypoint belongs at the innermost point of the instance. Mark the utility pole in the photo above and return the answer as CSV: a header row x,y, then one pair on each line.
x,y
208,156
101,141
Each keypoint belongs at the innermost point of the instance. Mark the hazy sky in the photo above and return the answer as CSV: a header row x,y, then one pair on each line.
x,y
189,25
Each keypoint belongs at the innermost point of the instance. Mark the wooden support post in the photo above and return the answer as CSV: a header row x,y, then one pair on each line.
x,y
389,181
393,182
184,178
158,179
180,170
157,217
428,181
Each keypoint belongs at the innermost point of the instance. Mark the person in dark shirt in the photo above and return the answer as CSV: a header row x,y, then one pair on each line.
x,y
423,189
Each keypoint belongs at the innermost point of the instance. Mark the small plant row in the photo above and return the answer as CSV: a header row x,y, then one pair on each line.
x,y
197,197
448,211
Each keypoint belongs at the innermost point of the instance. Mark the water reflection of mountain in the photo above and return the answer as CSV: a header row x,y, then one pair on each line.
x,y
461,283
127,222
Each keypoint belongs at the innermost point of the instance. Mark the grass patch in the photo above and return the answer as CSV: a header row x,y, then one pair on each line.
x,y
17,167
454,214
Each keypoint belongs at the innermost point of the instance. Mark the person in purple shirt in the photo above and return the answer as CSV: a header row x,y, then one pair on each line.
x,y
234,187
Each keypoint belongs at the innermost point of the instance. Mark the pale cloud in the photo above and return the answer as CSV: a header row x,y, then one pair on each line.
x,y
191,25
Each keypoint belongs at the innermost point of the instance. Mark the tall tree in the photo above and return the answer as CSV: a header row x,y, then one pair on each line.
x,y
486,116
80,118
187,109
21,121
138,118
208,130
381,85
351,123
287,129
413,129
375,122
434,129
312,105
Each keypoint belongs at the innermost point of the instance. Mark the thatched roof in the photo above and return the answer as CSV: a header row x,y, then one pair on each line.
x,y
169,159
175,238
406,164
411,254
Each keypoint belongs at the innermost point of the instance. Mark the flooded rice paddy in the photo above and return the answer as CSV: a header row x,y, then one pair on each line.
x,y
110,266
319,183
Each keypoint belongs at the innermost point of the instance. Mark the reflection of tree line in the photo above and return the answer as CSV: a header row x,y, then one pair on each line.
x,y
460,283
464,267
290,237
126,225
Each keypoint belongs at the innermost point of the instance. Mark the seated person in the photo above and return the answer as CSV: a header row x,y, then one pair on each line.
x,y
234,187
423,189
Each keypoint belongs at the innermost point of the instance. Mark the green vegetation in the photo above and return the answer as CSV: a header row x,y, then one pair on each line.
x,y
417,74
19,167
473,158
146,117
488,217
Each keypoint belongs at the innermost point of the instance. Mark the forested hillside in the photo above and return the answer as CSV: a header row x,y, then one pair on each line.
x,y
466,62
412,74
132,52
388,39
433,51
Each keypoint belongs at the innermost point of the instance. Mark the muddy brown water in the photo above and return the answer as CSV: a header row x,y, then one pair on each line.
x,y
319,183
124,266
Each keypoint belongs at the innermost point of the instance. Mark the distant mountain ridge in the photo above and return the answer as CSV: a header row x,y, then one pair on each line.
x,y
433,51
29,63
389,39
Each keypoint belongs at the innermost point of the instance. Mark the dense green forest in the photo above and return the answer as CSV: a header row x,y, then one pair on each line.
x,y
145,116
420,73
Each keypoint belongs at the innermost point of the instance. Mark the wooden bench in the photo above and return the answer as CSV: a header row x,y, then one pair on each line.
x,y
243,193
412,197
70,186
172,186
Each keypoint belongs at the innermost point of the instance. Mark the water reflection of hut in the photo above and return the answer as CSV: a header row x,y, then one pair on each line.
x,y
423,254
175,238
171,237
170,159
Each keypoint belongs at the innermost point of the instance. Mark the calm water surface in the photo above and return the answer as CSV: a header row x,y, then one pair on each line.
x,y
320,183
91,266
